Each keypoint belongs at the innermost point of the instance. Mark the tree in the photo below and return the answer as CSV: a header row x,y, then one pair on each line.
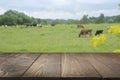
x,y
38,20
100,19
117,19
12,17
110,21
44,22
84,20
92,19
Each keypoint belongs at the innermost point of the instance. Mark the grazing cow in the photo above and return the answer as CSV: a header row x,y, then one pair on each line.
x,y
85,32
39,25
28,25
98,32
4,25
108,27
34,25
80,26
53,24
11,24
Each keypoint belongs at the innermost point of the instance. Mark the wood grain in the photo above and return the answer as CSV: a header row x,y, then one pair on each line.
x,y
74,65
47,65
16,65
82,66
108,65
4,57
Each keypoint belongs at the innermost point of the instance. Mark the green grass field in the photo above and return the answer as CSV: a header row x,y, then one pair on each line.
x,y
60,38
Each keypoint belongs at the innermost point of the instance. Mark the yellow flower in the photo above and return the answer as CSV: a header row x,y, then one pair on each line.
x,y
103,38
98,40
117,50
114,29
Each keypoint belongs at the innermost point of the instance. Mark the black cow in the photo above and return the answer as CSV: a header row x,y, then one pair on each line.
x,y
30,25
35,25
10,25
98,32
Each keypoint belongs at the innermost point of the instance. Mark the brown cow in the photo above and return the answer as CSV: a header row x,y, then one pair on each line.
x,y
53,24
85,32
80,26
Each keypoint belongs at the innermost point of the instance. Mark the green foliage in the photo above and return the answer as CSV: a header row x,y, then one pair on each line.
x,y
100,19
84,20
62,21
37,20
44,22
110,21
92,19
13,17
117,19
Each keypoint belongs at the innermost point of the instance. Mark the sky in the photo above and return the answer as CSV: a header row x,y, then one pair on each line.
x,y
62,9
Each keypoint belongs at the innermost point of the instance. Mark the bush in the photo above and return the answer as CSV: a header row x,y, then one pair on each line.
x,y
98,40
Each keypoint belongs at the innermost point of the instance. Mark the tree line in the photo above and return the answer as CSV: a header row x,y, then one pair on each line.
x,y
12,17
100,19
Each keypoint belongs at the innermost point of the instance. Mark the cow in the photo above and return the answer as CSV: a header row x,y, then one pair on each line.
x,y
35,25
53,24
108,27
98,32
11,24
4,25
85,32
28,25
80,26
39,25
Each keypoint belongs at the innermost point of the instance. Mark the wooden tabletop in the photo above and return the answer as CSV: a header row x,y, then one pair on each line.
x,y
84,66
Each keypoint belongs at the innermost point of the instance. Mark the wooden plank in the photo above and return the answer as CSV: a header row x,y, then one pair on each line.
x,y
108,65
75,65
4,57
84,66
16,65
47,65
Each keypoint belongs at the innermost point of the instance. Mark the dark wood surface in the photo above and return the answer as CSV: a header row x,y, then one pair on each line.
x,y
84,66
47,65
16,64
